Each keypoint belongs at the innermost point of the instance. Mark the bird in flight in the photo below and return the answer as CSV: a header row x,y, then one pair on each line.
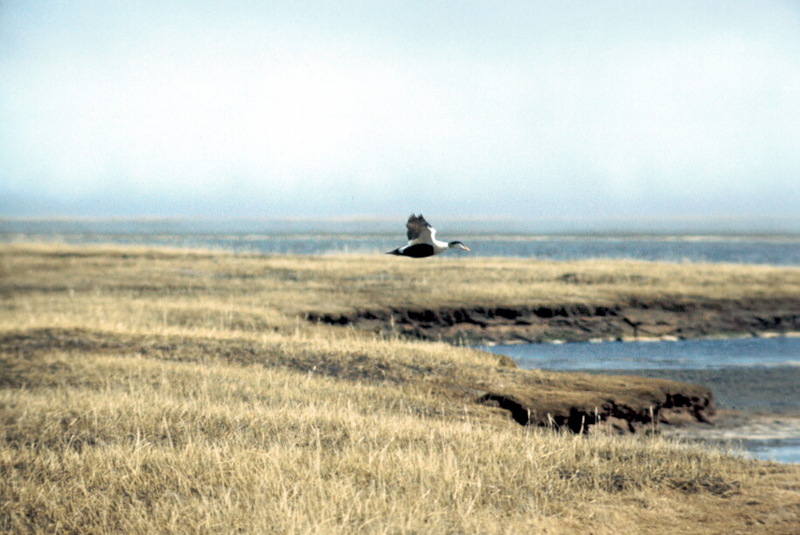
x,y
422,240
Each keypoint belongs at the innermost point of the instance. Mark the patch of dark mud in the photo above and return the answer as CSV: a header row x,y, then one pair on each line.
x,y
575,322
749,389
610,415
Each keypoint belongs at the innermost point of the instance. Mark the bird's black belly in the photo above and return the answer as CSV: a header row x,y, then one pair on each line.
x,y
420,250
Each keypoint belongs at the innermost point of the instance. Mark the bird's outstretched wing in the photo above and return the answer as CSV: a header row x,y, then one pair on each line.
x,y
419,230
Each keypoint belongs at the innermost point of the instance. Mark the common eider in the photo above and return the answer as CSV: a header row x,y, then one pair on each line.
x,y
422,240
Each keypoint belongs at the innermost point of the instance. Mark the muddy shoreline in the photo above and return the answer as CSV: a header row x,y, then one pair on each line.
x,y
754,405
632,320
752,390
736,394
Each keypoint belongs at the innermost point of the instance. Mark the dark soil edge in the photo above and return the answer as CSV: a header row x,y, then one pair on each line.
x,y
577,322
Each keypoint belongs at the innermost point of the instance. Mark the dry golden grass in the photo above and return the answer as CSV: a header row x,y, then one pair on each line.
x,y
244,287
154,391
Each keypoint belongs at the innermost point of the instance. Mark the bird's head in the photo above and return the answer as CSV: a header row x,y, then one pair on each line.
x,y
458,245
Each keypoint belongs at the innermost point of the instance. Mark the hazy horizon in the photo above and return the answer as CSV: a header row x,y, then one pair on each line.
x,y
390,225
607,112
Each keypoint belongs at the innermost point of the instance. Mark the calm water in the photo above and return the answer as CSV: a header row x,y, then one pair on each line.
x,y
777,250
755,375
670,355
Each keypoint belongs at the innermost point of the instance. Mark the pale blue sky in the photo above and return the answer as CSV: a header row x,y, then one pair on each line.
x,y
460,109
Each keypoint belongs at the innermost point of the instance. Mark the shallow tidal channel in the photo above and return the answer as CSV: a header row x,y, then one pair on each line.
x,y
755,381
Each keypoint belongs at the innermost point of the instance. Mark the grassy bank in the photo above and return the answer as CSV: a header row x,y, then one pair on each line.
x,y
167,391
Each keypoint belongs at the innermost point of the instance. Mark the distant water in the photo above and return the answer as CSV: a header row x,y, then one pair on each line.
x,y
754,375
659,355
761,249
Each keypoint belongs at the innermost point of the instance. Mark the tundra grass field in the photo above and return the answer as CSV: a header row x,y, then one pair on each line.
x,y
165,391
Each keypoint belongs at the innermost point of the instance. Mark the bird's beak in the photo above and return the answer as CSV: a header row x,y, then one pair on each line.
x,y
467,248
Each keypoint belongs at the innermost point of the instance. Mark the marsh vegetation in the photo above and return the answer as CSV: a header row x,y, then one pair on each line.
x,y
146,390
